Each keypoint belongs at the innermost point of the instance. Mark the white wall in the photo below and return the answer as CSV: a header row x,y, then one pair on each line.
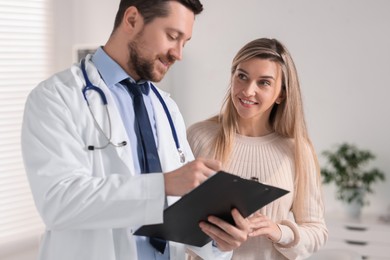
x,y
85,22
341,49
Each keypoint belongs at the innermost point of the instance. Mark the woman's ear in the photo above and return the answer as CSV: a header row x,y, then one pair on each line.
x,y
281,97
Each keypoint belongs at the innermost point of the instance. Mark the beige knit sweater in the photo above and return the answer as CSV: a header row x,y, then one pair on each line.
x,y
270,159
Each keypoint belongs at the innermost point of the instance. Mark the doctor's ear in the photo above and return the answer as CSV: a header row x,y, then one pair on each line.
x,y
132,18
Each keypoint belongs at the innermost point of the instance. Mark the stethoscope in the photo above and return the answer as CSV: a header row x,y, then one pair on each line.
x,y
89,86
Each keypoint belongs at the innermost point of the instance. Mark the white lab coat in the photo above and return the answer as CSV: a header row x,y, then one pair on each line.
x,y
90,201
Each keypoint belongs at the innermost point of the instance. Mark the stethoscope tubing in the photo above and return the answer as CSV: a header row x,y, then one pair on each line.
x,y
173,129
90,86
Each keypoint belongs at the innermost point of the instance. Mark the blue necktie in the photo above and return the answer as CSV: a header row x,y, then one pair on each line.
x,y
146,147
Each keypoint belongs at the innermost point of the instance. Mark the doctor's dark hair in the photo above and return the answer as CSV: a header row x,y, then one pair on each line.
x,y
151,9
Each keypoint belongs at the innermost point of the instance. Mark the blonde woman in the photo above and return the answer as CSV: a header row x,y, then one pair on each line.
x,y
261,133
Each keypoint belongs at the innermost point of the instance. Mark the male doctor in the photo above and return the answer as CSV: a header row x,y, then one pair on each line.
x,y
82,157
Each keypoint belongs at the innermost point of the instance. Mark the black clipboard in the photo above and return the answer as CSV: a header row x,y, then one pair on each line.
x,y
217,196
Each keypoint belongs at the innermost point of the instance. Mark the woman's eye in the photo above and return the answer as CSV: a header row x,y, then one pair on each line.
x,y
241,76
264,83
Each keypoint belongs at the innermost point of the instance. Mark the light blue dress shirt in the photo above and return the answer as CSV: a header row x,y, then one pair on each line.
x,y
112,74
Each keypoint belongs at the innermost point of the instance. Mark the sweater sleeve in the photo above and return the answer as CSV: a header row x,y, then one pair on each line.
x,y
199,136
305,232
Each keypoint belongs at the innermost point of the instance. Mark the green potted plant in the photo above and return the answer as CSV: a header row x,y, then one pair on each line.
x,y
347,169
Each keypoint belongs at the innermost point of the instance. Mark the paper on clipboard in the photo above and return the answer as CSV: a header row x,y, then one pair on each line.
x,y
217,196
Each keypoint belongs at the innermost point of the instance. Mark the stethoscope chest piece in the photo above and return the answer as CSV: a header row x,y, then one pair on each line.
x,y
181,155
90,87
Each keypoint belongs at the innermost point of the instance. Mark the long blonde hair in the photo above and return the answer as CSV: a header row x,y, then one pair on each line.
x,y
286,119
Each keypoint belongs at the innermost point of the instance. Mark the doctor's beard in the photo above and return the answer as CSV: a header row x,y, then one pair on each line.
x,y
145,67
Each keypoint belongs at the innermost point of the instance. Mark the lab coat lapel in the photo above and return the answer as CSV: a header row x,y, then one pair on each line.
x,y
167,151
169,157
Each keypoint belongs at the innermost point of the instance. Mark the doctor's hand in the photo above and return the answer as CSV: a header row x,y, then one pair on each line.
x,y
189,176
226,236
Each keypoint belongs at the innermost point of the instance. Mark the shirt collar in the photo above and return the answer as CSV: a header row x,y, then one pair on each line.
x,y
109,70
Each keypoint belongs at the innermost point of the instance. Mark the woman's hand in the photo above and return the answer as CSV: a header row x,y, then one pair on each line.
x,y
226,236
261,225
